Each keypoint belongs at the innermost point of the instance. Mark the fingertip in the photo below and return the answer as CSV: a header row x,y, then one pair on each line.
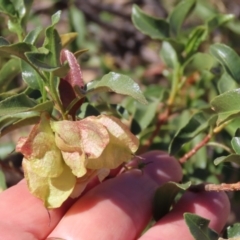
x,y
213,206
161,167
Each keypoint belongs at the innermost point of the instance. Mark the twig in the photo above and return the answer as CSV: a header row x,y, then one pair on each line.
x,y
223,187
195,149
162,119
204,141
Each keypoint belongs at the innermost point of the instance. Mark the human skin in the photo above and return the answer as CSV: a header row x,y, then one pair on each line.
x,y
117,209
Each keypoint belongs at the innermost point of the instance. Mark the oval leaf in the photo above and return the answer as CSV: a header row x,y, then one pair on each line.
x,y
226,83
219,20
197,124
15,104
8,8
41,60
236,144
197,36
179,14
164,198
117,83
8,72
18,49
198,227
230,158
156,28
226,105
31,77
228,58
169,55
33,35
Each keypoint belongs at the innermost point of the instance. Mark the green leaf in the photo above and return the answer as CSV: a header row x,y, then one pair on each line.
x,y
197,36
226,83
219,20
87,110
169,55
31,77
56,18
117,83
228,58
6,148
164,198
18,49
78,23
52,41
236,144
41,60
9,119
142,115
155,91
197,124
179,14
145,113
17,23
22,7
10,123
4,42
33,35
3,184
226,105
7,7
43,107
198,227
15,104
199,62
8,72
230,158
233,231
156,28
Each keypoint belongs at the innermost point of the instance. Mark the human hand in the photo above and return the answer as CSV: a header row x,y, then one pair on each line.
x,y
118,208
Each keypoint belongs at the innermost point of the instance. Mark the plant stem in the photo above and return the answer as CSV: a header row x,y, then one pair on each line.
x,y
164,116
223,187
175,85
203,142
55,96
195,149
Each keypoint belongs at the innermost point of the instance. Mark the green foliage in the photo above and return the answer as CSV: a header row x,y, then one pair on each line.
x,y
164,198
153,27
233,231
117,83
198,227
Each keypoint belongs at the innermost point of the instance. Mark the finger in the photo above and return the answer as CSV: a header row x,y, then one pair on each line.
x,y
119,208
26,216
211,205
27,213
